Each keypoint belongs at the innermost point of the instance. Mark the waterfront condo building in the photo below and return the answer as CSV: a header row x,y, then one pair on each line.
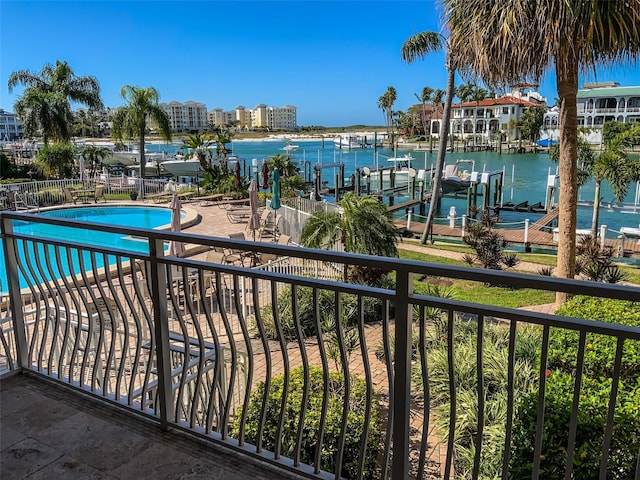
x,y
188,116
260,117
599,103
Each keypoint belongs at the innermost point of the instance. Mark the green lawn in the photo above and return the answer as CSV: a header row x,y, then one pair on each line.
x,y
481,293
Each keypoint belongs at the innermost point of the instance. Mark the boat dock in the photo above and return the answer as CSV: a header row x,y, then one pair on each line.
x,y
535,236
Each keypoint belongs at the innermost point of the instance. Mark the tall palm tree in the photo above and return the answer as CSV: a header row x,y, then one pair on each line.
x,y
419,46
516,40
45,103
364,226
425,97
385,103
465,93
132,119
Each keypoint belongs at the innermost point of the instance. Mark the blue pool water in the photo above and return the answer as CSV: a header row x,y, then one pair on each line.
x,y
126,216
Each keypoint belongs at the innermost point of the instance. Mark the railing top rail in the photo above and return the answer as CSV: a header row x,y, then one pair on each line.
x,y
496,277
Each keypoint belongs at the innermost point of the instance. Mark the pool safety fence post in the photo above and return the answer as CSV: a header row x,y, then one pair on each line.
x,y
527,247
603,235
409,214
158,271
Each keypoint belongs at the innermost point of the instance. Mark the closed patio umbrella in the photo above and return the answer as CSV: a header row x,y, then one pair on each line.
x,y
82,168
254,219
176,249
275,199
237,175
265,175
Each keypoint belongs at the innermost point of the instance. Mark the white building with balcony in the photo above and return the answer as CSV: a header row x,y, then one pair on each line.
x,y
599,103
10,127
478,122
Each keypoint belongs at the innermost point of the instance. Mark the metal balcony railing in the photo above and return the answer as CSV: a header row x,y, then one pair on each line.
x,y
290,364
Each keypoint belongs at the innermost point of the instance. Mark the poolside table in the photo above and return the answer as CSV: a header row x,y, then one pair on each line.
x,y
85,194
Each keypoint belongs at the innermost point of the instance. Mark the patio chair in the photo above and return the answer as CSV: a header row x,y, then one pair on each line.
x,y
270,257
234,256
269,231
99,194
69,195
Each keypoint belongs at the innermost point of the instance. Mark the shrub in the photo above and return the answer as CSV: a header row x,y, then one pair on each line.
x,y
592,415
594,399
290,416
495,360
306,311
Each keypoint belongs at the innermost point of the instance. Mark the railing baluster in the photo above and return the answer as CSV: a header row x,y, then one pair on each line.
x,y
510,399
608,431
480,380
537,450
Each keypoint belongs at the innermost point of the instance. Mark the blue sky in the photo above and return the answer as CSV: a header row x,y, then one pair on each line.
x,y
331,59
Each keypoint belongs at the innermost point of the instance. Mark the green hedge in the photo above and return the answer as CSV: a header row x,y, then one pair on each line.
x,y
311,428
593,404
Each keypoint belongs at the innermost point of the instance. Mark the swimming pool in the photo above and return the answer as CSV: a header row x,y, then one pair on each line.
x,y
118,215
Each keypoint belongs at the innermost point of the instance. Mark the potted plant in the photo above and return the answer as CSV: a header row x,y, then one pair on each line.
x,y
133,194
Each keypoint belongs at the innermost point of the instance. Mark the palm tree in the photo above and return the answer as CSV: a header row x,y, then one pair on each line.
x,y
515,41
385,102
364,226
419,46
202,145
45,103
222,138
617,169
132,119
95,154
425,96
465,93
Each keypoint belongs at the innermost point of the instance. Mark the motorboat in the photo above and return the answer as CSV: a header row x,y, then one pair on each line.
x,y
152,168
290,147
348,141
182,166
130,158
456,180
402,162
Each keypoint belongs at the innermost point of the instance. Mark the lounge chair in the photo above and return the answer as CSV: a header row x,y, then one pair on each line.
x,y
238,215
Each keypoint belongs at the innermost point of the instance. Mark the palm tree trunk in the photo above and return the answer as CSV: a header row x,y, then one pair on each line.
x,y
567,83
442,150
596,210
143,162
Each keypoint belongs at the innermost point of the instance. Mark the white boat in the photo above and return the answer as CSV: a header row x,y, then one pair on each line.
x,y
182,166
289,147
401,162
151,169
131,157
348,141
